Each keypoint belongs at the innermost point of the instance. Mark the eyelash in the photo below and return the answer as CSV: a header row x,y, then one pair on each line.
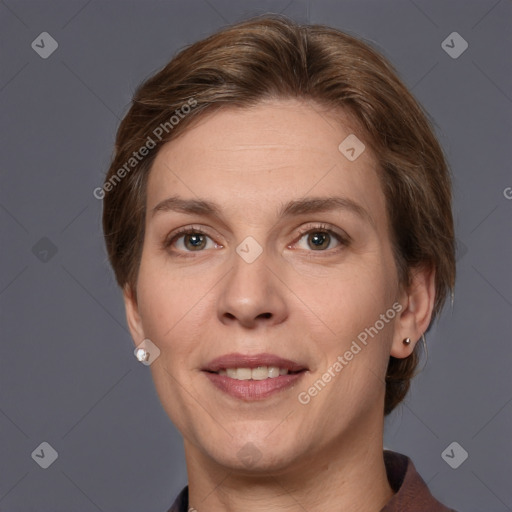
x,y
344,240
178,234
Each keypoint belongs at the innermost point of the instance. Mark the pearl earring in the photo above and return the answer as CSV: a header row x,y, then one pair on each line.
x,y
142,355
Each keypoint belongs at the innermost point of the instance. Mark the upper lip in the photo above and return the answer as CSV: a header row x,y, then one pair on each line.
x,y
236,360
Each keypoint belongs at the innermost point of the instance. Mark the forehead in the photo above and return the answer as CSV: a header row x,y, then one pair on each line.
x,y
251,160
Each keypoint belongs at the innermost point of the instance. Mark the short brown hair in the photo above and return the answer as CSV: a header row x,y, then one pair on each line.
x,y
271,57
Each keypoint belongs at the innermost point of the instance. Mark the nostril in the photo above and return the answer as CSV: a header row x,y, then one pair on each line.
x,y
265,315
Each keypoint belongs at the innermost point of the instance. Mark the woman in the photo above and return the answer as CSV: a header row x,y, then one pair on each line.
x,y
278,215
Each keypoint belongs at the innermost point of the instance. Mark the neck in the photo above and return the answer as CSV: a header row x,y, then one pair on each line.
x,y
344,475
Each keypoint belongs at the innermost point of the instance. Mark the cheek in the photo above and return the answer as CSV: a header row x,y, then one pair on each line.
x,y
346,301
174,305
163,295
159,309
173,309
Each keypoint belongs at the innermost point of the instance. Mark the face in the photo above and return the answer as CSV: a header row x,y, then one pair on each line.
x,y
268,283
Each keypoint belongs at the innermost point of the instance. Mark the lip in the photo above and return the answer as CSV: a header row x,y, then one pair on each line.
x,y
250,390
236,360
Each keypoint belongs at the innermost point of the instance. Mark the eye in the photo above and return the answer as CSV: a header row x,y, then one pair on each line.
x,y
320,238
190,240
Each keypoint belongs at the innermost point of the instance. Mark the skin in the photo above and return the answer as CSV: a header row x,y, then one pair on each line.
x,y
295,301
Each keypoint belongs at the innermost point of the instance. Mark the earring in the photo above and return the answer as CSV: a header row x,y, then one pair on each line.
x,y
406,341
142,354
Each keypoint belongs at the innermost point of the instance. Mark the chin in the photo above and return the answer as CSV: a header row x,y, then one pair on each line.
x,y
254,454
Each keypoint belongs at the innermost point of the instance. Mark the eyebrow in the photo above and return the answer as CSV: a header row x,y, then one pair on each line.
x,y
295,207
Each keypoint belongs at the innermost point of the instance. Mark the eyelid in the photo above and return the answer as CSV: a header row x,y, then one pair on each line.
x,y
178,233
342,237
323,226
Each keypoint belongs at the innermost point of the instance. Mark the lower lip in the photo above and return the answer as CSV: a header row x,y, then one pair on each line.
x,y
253,389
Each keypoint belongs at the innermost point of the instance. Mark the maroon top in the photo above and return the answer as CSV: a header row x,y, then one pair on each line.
x,y
411,492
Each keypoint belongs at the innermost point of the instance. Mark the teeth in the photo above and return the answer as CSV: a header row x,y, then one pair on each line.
x,y
243,373
273,371
259,373
232,373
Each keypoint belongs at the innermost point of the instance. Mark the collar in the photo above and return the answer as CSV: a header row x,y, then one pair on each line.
x,y
411,491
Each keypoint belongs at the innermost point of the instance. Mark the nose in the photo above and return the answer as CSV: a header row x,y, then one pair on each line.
x,y
252,295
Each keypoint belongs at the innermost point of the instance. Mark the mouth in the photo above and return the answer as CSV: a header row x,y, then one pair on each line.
x,y
258,373
253,377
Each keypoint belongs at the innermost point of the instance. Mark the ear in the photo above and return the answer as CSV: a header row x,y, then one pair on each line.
x,y
132,314
417,301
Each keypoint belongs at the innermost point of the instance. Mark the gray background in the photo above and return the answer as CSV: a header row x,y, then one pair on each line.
x,y
67,371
